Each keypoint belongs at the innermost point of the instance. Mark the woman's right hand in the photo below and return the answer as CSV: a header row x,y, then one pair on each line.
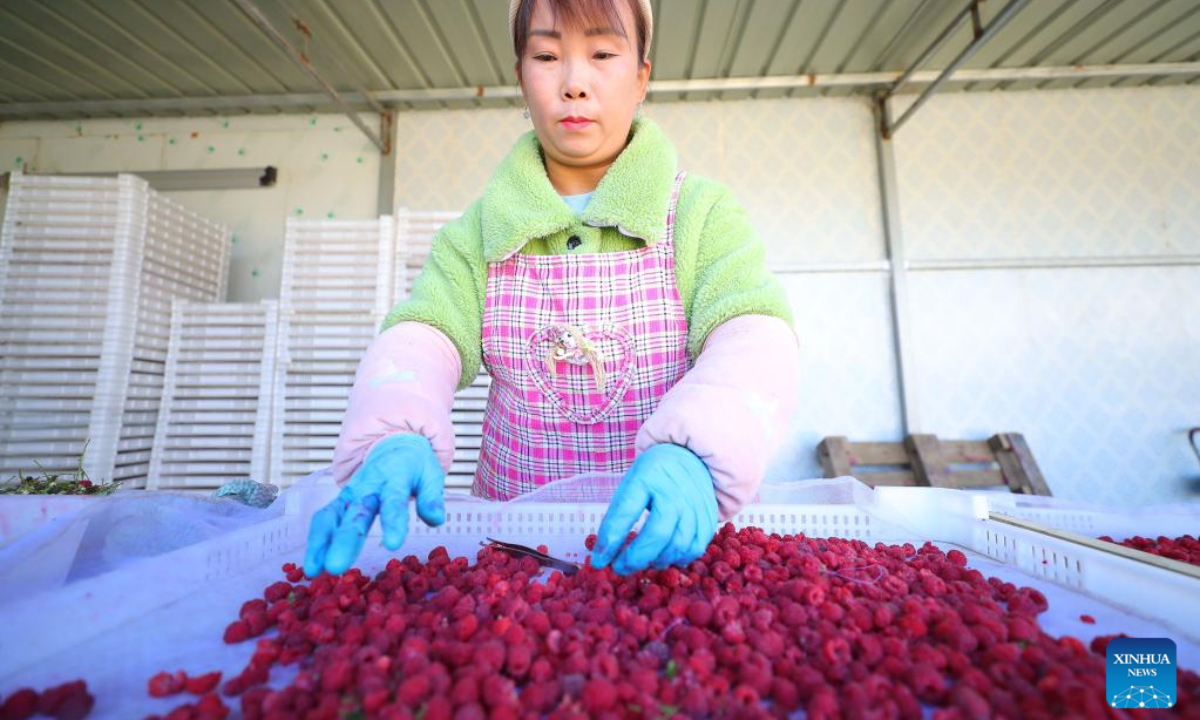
x,y
397,468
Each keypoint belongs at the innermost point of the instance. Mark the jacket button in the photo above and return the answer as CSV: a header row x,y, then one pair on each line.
x,y
574,242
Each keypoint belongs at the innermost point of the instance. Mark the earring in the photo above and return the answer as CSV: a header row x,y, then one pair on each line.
x,y
638,113
525,112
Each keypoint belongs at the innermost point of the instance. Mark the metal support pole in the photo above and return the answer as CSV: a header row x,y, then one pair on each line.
x,y
272,32
999,22
386,197
898,270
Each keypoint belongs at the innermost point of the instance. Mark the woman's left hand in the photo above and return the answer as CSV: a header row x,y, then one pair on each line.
x,y
677,488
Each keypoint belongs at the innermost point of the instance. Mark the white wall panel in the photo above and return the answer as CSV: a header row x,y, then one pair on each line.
x,y
847,367
1097,367
1052,174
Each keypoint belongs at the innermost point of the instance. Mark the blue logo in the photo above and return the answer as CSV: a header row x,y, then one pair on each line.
x,y
1141,673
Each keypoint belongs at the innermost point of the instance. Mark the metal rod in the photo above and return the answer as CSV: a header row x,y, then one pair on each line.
x,y
304,102
304,29
261,20
938,42
1053,263
999,22
1016,263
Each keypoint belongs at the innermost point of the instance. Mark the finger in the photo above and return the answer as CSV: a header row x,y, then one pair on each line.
x,y
351,533
707,523
320,532
393,516
656,534
431,491
623,512
681,544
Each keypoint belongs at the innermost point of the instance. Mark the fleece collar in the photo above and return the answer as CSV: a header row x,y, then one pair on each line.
x,y
520,204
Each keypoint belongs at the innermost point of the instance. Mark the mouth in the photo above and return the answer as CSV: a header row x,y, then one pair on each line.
x,y
573,122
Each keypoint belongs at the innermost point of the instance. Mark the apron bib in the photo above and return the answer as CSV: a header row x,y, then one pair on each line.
x,y
581,349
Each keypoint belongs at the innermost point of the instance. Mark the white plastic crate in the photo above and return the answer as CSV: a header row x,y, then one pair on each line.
x,y
200,588
349,249
1119,523
415,231
198,440
239,437
92,266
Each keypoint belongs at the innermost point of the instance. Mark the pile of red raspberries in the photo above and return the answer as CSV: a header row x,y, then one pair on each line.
x,y
763,626
1184,549
760,627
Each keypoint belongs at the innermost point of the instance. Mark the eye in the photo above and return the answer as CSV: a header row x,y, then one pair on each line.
x,y
604,55
543,57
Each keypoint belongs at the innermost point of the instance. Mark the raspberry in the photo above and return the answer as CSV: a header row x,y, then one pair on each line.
x,y
836,651
203,684
490,656
590,542
163,684
927,683
499,691
210,707
471,711
599,695
465,628
236,632
700,613
69,701
337,675
183,712
20,705
413,690
277,591
465,691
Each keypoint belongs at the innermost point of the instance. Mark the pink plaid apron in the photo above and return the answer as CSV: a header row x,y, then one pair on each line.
x,y
580,348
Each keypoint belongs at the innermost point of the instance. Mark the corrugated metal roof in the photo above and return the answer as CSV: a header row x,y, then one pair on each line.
x,y
205,50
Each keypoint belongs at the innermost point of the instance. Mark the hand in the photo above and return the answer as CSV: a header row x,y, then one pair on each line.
x,y
678,489
396,468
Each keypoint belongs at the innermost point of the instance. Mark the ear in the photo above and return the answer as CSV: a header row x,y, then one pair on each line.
x,y
643,80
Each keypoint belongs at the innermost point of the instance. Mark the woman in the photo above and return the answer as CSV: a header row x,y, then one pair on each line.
x,y
622,308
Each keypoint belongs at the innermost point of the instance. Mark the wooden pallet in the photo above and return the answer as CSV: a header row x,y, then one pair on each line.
x,y
1003,459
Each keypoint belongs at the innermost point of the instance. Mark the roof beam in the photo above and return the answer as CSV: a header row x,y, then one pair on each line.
x,y
982,36
303,102
277,37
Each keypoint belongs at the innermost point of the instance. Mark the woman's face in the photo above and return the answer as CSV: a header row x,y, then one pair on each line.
x,y
591,73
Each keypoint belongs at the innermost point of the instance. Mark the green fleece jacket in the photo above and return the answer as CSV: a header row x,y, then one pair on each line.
x,y
719,259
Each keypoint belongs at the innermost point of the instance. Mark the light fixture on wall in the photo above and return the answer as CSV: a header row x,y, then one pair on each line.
x,y
216,179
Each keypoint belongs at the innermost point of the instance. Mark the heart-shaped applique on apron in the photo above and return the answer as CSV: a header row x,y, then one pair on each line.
x,y
583,371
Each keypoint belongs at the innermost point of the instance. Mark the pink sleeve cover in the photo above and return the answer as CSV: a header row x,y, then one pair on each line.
x,y
732,407
405,384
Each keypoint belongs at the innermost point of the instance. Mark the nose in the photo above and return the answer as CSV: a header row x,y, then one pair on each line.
x,y
574,82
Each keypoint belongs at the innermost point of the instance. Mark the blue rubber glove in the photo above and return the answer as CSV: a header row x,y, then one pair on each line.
x,y
396,468
677,487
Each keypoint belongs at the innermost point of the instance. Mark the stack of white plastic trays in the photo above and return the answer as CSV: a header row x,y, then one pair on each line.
x,y
335,291
414,232
215,421
186,258
81,276
61,258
